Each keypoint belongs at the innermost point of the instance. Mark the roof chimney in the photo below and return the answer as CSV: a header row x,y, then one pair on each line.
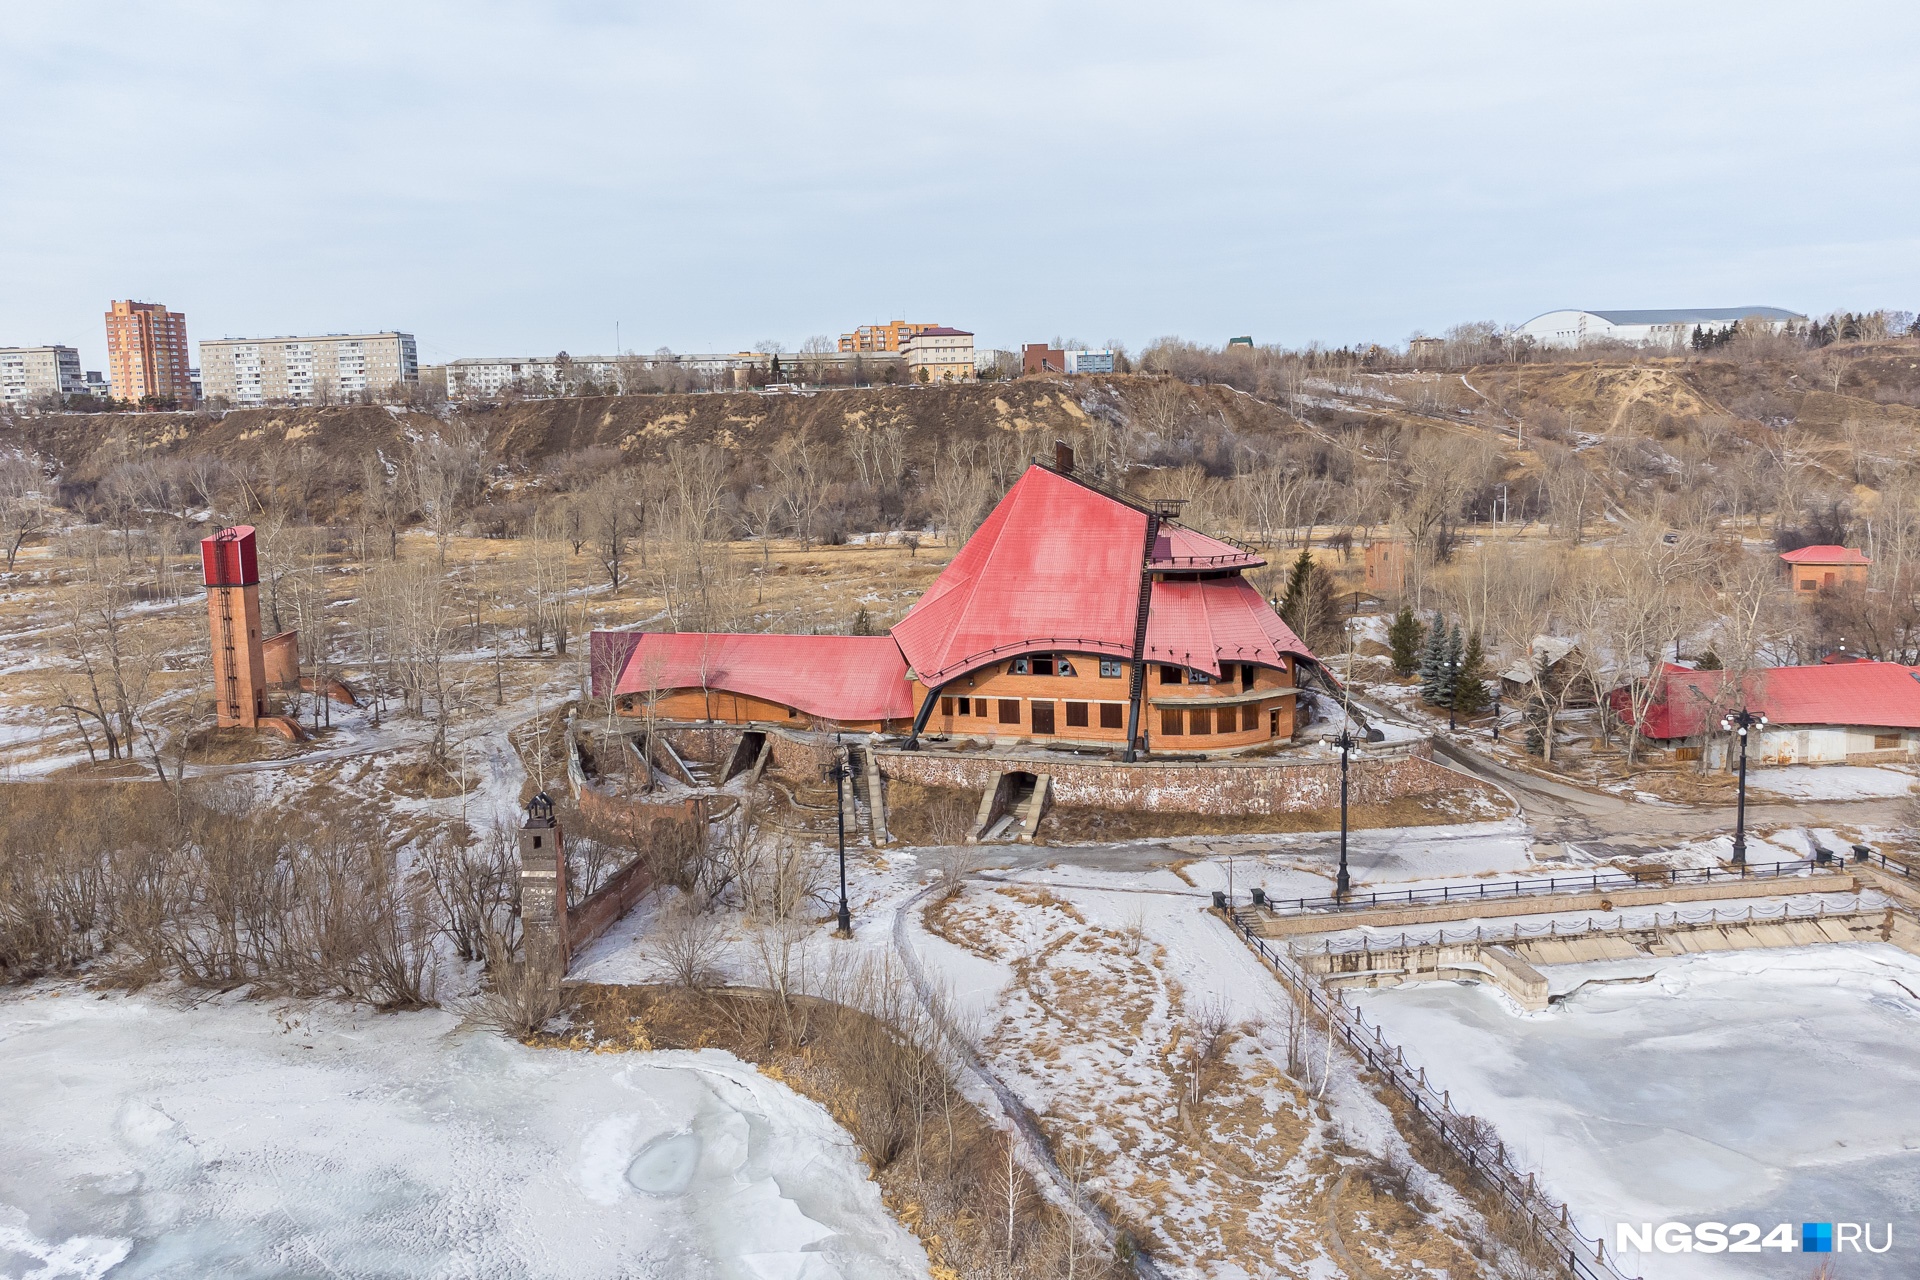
x,y
1063,457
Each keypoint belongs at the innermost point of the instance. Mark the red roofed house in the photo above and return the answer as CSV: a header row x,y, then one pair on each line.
x,y
1813,569
1825,714
1072,615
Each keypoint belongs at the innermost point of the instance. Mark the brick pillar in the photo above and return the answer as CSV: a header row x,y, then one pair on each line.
x,y
543,887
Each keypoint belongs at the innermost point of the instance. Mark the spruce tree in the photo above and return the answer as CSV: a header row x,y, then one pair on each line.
x,y
1404,637
1299,583
1470,696
1433,660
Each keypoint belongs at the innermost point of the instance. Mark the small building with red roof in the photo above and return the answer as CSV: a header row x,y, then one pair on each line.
x,y
1073,615
1825,714
1812,570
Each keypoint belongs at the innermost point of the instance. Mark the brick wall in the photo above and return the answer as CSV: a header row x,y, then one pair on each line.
x,y
1213,787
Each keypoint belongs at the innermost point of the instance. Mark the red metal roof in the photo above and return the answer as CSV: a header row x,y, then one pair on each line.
x,y
1055,565
1213,620
1825,555
837,677
1881,695
1176,548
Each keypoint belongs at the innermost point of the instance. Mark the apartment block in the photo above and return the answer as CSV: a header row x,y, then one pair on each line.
x,y
940,354
147,353
891,336
29,375
316,370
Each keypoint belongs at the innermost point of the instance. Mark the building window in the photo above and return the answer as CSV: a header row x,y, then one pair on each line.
x,y
966,706
1169,675
1199,677
1249,716
1017,667
1042,664
1881,741
1076,715
1246,675
1200,720
946,706
1009,711
1112,715
1170,721
1110,668
1061,667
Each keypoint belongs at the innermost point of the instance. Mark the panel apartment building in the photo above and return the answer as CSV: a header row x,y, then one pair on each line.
x,y
256,371
29,375
147,353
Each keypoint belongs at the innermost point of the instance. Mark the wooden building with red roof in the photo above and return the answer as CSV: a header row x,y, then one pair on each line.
x,y
1815,569
1074,615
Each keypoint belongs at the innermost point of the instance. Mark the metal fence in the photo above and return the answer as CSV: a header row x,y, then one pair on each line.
x,y
1479,934
1468,1138
1591,883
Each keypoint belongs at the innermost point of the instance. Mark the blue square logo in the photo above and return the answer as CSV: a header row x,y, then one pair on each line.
x,y
1816,1237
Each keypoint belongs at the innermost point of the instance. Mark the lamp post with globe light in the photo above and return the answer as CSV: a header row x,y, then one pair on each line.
x,y
1742,722
837,773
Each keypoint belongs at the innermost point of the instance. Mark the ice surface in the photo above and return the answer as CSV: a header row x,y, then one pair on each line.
x,y
246,1139
1755,1086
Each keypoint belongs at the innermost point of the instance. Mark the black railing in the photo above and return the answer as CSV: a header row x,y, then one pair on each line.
x,y
1591,883
1480,935
1549,1221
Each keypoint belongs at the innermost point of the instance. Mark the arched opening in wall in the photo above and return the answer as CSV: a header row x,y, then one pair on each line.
x,y
1020,790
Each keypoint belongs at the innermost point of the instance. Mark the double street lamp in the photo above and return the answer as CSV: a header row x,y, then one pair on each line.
x,y
1344,882
837,773
1742,722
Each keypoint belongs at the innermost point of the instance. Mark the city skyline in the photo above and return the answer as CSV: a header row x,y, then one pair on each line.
x,y
505,183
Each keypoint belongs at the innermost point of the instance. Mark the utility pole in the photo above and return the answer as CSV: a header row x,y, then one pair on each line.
x,y
838,773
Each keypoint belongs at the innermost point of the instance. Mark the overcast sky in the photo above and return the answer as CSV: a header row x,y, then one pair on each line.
x,y
513,179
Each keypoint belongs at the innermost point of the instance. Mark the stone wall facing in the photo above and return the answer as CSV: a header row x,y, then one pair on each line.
x,y
1209,787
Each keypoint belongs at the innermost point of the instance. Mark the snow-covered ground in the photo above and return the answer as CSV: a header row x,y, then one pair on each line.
x,y
1832,782
1756,1086
243,1138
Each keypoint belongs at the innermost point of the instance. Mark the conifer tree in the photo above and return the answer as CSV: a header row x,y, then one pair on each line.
x,y
1433,660
1299,582
1404,637
1450,654
1470,695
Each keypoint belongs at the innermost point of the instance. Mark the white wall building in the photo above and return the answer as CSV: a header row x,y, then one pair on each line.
x,y
256,371
32,374
1079,361
942,354
1666,328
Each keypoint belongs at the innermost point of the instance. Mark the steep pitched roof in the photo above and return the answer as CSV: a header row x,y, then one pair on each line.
x,y
1880,695
1825,554
1056,564
838,677
1213,620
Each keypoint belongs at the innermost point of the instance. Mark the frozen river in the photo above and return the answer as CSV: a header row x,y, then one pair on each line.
x,y
1758,1086
251,1139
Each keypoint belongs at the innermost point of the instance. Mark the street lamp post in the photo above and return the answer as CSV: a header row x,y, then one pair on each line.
x,y
839,772
1741,722
1344,882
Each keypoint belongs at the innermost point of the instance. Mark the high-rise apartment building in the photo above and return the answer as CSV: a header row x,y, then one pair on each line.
x,y
338,366
890,336
147,353
29,375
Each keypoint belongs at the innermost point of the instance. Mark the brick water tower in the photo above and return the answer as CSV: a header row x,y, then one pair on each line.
x,y
233,611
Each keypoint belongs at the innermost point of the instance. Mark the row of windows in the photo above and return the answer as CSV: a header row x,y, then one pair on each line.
x,y
1200,721
1051,664
1007,711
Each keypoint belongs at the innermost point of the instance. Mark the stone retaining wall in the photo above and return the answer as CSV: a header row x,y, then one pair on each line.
x,y
1201,787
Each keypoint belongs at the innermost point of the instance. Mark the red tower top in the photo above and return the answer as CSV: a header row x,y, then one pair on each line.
x,y
228,558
